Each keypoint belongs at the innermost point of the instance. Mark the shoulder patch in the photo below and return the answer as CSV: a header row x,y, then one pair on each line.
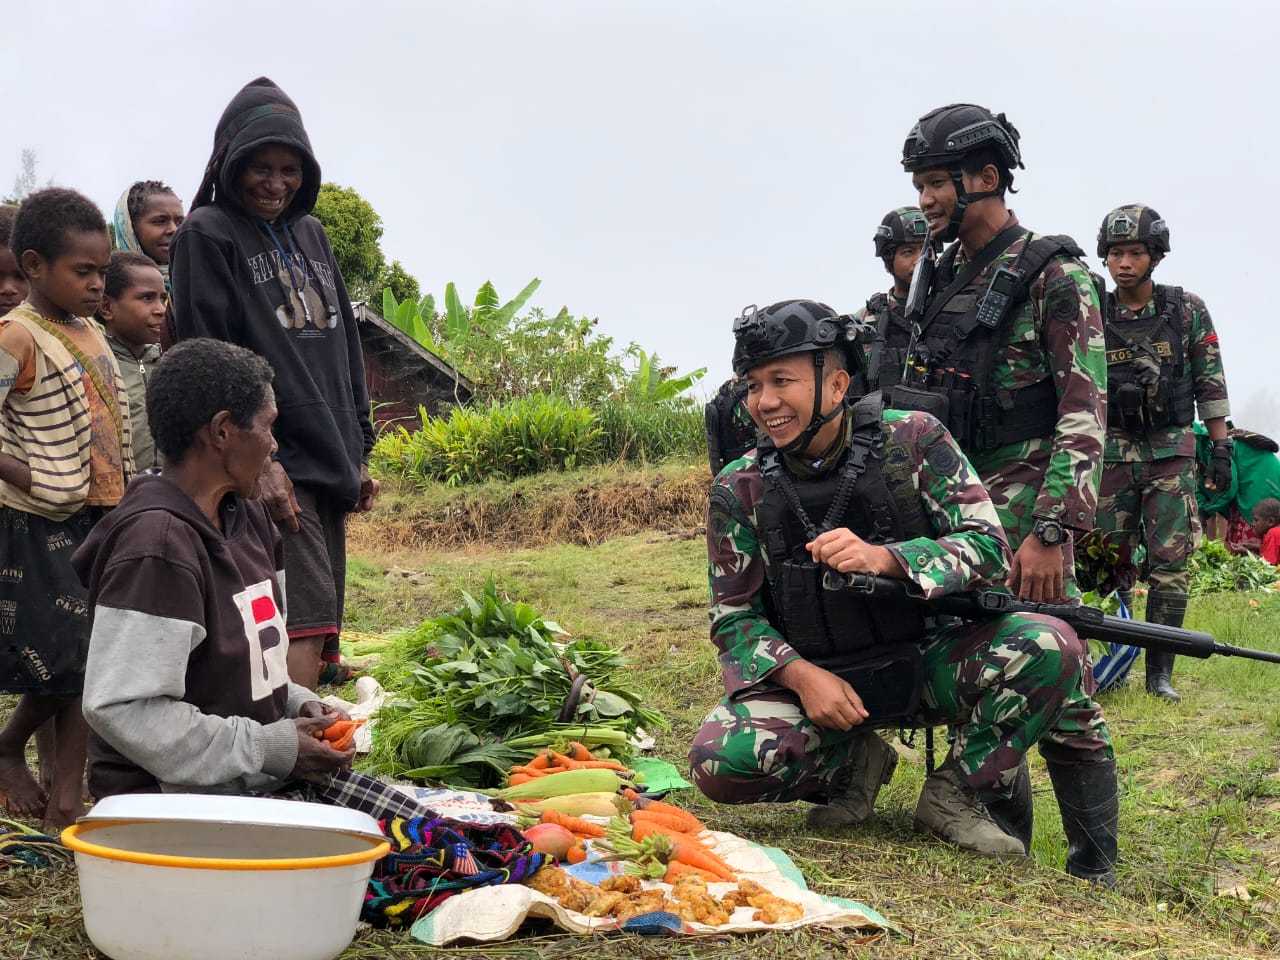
x,y
943,459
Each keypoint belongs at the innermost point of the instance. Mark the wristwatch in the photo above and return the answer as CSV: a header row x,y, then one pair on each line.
x,y
1049,532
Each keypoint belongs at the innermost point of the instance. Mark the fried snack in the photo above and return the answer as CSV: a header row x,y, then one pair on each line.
x,y
646,902
577,900
771,909
734,899
689,885
605,903
622,883
549,880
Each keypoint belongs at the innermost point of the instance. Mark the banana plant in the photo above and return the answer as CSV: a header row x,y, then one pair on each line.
x,y
653,383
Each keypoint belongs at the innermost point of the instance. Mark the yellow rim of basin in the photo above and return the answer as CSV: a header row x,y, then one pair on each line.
x,y
72,838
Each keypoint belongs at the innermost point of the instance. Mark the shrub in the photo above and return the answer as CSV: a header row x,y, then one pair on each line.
x,y
505,440
533,434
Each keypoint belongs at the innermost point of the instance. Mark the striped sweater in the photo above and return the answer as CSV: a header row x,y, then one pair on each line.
x,y
48,427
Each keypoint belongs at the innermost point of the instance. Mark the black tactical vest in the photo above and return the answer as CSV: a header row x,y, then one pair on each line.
x,y
963,336
730,433
888,352
1149,381
873,494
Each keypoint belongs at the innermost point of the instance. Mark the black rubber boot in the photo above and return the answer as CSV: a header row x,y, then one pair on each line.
x,y
1090,809
1016,814
1165,607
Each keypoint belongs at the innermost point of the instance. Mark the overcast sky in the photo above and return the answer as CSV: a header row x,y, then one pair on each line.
x,y
661,164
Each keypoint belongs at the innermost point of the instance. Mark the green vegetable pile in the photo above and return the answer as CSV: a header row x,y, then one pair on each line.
x,y
482,688
1215,569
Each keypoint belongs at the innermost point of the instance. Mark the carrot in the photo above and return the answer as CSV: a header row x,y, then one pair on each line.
x,y
693,854
518,778
577,853
540,762
685,849
578,752
583,828
693,824
630,794
528,771
345,743
664,820
560,761
339,729
677,869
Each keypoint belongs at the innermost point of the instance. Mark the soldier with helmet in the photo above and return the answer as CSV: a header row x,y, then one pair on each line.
x,y
1009,348
1163,362
838,482
899,240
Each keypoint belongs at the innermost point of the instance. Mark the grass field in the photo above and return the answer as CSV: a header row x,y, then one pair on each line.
x,y
1200,809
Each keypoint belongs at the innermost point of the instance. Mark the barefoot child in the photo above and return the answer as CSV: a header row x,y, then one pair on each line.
x,y
133,309
1266,524
64,459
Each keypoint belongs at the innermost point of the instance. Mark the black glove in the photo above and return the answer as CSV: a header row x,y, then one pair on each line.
x,y
1219,473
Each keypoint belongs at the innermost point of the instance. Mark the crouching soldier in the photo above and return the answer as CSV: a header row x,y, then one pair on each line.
x,y
840,483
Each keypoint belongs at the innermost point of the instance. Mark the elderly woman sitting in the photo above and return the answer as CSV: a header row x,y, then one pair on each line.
x,y
187,687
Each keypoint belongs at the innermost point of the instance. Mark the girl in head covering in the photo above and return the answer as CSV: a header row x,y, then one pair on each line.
x,y
147,216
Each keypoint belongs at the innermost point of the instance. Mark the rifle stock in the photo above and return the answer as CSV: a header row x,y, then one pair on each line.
x,y
1088,622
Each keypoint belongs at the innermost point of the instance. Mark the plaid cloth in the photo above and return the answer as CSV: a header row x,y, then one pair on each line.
x,y
356,792
432,858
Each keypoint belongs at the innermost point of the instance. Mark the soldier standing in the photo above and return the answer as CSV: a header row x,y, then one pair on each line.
x,y
849,486
1163,362
1009,353
899,240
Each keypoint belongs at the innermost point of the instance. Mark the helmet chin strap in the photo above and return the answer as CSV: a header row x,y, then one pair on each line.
x,y
819,419
963,199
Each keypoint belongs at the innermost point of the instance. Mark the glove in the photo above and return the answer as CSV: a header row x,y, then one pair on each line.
x,y
1219,473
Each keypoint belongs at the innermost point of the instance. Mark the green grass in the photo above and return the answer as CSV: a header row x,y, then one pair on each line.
x,y
1200,808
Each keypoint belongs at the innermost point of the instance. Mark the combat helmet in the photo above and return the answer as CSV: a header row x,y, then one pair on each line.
x,y
1134,223
800,326
943,137
903,225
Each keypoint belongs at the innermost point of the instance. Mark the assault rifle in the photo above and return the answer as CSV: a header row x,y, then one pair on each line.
x,y
1088,622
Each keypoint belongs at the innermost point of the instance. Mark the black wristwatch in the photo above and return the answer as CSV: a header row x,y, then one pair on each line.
x,y
1050,533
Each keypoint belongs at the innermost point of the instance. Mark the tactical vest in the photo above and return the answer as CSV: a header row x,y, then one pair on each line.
x,y
1149,382
730,432
873,494
888,353
963,336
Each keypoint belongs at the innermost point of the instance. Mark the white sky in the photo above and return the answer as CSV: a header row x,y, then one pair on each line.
x,y
660,164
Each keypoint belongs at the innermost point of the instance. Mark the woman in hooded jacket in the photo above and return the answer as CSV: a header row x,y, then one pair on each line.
x,y
252,266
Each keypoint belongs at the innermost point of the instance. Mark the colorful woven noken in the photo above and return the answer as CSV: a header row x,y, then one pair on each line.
x,y
431,859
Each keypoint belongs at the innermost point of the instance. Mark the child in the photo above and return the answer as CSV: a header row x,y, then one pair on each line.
x,y
147,216
65,457
13,285
133,310
1266,524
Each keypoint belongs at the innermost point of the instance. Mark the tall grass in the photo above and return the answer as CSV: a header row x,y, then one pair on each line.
x,y
534,434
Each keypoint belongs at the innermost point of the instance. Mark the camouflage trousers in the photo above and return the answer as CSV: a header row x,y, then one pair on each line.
x,y
1154,503
1004,685
1013,476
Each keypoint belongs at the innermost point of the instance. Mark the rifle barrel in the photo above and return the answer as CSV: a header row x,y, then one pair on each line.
x,y
1088,622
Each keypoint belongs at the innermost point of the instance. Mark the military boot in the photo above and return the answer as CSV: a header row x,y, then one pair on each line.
x,y
1015,814
1090,809
952,811
1165,607
871,765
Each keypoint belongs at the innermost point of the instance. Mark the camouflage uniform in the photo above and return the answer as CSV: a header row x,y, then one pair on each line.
x,y
1149,480
886,349
1055,333
1006,684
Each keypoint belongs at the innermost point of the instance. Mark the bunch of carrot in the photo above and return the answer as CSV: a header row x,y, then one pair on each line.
x,y
676,831
340,734
549,761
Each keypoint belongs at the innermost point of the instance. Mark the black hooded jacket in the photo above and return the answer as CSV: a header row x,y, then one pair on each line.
x,y
275,289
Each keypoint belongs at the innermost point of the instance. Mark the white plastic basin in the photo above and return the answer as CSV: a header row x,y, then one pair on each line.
x,y
222,878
